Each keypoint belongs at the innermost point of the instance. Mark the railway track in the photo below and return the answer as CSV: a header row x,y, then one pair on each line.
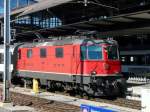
x,y
44,105
41,105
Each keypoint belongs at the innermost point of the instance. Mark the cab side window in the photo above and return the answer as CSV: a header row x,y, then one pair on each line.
x,y
83,53
43,53
59,52
29,53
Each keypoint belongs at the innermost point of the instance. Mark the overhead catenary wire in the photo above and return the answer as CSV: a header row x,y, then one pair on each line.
x,y
86,2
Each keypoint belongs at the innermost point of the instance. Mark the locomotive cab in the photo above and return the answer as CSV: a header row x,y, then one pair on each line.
x,y
112,62
100,61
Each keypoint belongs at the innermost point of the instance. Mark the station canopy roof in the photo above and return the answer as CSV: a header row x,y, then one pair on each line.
x,y
36,7
43,5
126,24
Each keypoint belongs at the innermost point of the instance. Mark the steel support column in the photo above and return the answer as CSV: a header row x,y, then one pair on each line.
x,y
6,75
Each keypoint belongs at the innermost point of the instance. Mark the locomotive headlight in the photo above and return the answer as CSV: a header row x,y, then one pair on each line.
x,y
93,73
117,72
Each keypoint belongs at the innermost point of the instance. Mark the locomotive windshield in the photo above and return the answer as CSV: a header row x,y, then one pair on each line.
x,y
112,52
91,52
94,52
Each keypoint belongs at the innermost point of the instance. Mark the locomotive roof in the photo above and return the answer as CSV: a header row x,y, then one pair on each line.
x,y
66,42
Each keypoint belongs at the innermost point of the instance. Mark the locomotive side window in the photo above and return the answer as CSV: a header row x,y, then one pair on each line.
x,y
29,53
125,60
59,52
83,52
1,58
43,53
112,52
147,59
134,60
94,52
138,60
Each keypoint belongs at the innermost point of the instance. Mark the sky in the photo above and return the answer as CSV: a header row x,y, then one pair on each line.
x,y
1,10
1,6
12,3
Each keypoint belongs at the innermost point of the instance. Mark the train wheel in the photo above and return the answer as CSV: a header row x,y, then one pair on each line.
x,y
50,86
17,81
85,96
122,90
122,87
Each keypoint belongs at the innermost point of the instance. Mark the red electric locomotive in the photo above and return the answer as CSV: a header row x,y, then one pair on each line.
x,y
87,65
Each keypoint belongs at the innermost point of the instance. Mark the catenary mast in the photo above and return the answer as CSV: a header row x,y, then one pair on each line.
x,y
7,37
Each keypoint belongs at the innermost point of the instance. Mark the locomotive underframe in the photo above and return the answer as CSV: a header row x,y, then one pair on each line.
x,y
91,85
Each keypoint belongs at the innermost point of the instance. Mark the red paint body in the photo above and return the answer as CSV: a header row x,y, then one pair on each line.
x,y
70,64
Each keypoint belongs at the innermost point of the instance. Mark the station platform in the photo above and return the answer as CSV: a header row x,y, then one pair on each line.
x,y
11,108
136,90
72,100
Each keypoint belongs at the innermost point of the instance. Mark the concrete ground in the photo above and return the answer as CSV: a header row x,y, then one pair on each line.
x,y
136,90
8,107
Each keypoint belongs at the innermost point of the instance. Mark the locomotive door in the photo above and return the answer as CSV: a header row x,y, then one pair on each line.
x,y
21,59
43,59
74,61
